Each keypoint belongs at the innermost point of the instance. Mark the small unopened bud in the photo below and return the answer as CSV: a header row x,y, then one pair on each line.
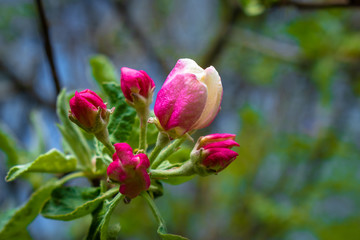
x,y
137,87
212,153
88,111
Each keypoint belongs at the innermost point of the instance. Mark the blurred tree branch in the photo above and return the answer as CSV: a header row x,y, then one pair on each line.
x,y
223,34
23,87
318,5
268,46
139,36
47,43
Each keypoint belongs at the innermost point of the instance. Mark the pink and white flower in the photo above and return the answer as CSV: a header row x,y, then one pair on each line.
x,y
189,99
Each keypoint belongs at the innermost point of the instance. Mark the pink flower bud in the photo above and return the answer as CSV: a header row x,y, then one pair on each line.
x,y
85,107
212,153
136,84
129,170
189,99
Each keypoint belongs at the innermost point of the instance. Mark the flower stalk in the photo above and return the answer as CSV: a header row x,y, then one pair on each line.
x,y
168,151
161,142
187,169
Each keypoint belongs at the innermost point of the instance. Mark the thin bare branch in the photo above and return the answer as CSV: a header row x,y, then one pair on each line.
x,y
139,36
223,36
317,5
48,44
23,87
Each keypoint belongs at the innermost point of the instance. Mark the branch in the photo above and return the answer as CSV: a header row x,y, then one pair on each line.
x,y
318,6
48,44
223,36
269,46
23,87
143,41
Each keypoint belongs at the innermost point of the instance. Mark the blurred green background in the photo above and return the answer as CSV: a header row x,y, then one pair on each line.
x,y
291,77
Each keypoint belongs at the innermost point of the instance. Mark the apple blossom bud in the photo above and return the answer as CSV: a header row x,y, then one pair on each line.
x,y
88,111
137,87
129,170
189,99
212,153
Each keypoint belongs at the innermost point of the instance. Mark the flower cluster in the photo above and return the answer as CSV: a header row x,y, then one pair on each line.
x,y
189,100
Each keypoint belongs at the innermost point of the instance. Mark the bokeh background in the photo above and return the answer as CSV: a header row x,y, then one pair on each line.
x,y
291,76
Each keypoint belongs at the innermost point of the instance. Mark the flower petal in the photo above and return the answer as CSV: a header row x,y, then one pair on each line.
x,y
180,102
84,111
124,152
182,66
116,172
222,144
212,81
218,158
136,184
93,98
216,137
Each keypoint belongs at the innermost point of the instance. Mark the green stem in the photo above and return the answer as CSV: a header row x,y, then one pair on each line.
x,y
143,116
103,137
167,152
110,192
153,208
187,169
162,141
105,222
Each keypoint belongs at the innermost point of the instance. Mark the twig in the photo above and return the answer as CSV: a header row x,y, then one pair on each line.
x,y
143,41
222,36
269,46
23,87
48,44
318,6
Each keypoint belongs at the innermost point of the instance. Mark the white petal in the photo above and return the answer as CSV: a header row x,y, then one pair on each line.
x,y
212,81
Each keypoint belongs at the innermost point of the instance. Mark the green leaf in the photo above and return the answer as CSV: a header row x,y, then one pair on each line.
x,y
51,162
68,203
7,145
37,125
14,228
103,70
73,137
123,118
101,218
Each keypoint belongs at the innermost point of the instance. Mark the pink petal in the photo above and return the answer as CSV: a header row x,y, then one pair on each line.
x,y
222,144
219,158
134,81
220,136
182,66
93,98
116,172
135,185
212,81
148,83
124,152
84,111
180,102
143,161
